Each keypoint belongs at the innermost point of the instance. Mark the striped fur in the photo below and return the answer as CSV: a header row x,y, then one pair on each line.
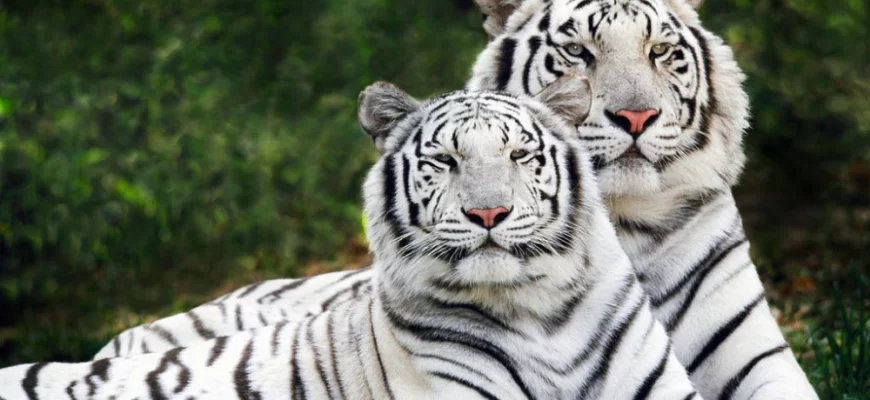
x,y
672,208
543,305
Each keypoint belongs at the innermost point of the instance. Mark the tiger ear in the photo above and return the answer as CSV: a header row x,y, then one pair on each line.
x,y
570,97
495,14
381,107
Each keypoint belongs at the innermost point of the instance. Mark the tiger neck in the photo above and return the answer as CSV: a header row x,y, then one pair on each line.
x,y
430,328
648,225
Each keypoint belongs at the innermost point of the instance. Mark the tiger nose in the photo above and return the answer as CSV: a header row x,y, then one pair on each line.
x,y
634,121
487,217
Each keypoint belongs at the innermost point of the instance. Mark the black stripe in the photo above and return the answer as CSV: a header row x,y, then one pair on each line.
x,y
582,4
558,319
378,350
646,388
251,288
657,234
544,24
595,341
163,333
693,291
116,345
534,45
712,105
31,380
275,336
318,361
734,382
152,379
723,333
240,375
198,326
413,209
332,298
505,63
549,65
455,379
239,324
442,335
132,334
477,313
220,344
613,343
713,257
297,384
99,369
452,362
390,205
278,292
70,390
330,333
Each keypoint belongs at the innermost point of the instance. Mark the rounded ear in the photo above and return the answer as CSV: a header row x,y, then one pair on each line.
x,y
570,97
381,107
495,14
695,3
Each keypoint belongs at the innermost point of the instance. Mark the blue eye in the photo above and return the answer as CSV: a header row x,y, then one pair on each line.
x,y
574,49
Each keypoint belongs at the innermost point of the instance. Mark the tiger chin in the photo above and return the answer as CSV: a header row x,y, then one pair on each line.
x,y
497,276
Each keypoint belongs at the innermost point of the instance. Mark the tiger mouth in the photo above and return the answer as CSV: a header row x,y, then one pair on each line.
x,y
633,153
630,157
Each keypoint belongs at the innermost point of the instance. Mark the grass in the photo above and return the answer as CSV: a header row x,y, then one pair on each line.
x,y
836,353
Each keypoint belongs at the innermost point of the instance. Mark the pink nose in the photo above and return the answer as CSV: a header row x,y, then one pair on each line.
x,y
487,217
637,119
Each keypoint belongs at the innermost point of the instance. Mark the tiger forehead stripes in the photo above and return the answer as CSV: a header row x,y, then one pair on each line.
x,y
657,121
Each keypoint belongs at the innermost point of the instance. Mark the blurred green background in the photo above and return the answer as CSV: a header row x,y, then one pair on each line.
x,y
155,154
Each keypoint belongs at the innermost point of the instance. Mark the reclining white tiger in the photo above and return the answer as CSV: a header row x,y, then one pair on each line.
x,y
665,131
497,276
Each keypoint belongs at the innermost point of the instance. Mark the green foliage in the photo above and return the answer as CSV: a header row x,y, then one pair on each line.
x,y
840,346
153,144
809,78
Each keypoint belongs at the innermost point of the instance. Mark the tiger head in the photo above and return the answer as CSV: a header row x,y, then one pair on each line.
x,y
668,112
475,189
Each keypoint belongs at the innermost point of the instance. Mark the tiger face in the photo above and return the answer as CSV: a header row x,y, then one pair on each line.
x,y
668,110
476,186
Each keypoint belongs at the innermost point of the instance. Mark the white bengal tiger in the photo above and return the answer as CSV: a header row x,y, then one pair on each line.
x,y
497,276
665,133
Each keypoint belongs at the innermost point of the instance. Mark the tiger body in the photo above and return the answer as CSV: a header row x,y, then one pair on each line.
x,y
536,302
666,183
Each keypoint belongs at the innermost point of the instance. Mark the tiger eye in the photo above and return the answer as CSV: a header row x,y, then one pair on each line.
x,y
574,49
444,158
518,154
660,49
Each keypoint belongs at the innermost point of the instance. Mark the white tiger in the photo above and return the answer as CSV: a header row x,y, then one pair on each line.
x,y
665,133
497,276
